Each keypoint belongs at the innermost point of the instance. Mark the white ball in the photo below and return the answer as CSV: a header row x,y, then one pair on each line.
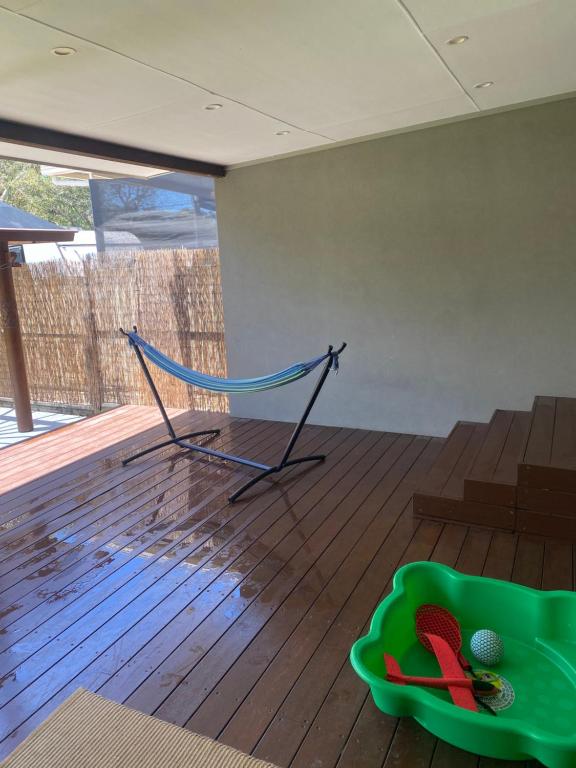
x,y
487,647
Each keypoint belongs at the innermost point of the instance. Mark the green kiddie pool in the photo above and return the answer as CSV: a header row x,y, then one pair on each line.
x,y
539,663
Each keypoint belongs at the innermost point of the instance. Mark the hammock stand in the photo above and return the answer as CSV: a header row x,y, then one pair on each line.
x,y
331,362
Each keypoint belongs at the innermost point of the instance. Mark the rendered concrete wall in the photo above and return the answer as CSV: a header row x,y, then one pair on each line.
x,y
444,257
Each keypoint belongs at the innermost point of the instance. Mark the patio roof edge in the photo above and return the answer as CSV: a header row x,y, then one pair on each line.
x,y
48,138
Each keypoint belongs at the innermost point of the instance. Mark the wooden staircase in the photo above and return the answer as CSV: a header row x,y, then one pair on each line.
x,y
518,472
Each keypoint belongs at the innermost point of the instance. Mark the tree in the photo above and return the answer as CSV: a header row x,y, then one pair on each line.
x,y
22,185
123,197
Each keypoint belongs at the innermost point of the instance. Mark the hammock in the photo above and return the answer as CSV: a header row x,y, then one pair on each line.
x,y
230,386
234,386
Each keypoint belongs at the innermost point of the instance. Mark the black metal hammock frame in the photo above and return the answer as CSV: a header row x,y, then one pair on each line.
x,y
142,348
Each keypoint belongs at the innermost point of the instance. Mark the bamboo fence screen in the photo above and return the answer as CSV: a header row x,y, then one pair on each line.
x,y
70,313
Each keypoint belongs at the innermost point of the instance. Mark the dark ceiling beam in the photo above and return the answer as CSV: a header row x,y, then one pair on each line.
x,y
46,138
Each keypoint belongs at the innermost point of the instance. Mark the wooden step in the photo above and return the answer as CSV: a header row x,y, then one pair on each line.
x,y
550,457
447,474
463,511
547,501
493,476
539,444
516,473
441,494
553,526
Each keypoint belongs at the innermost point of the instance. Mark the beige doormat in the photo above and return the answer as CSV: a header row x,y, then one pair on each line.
x,y
87,731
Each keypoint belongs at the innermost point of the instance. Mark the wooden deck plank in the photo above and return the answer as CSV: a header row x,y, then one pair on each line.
x,y
182,530
450,454
350,457
323,741
327,533
528,564
56,453
454,486
512,558
492,477
546,501
267,667
162,517
563,452
222,543
235,620
59,483
178,540
479,550
497,557
90,636
557,566
336,718
500,558
398,744
132,427
369,741
489,455
65,434
266,548
146,590
64,477
547,478
447,756
281,739
120,443
103,491
90,494
506,470
464,511
539,443
112,519
474,551
411,746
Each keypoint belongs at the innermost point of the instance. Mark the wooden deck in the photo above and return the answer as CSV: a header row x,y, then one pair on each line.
x,y
143,584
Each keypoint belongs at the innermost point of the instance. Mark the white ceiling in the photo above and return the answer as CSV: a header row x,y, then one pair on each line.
x,y
324,70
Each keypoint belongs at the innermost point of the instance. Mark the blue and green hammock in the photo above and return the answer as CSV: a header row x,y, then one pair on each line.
x,y
230,386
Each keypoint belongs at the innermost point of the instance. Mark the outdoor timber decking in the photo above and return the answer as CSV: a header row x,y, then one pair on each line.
x,y
142,583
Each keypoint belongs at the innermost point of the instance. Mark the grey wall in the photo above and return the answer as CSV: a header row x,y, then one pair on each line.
x,y
444,257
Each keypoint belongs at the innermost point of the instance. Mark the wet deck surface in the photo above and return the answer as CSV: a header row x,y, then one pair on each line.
x,y
143,584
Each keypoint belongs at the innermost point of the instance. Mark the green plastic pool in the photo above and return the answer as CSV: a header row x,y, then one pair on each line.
x,y
539,633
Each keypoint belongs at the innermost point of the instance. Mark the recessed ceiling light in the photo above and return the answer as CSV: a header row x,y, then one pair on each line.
x,y
458,40
282,133
485,84
211,107
63,51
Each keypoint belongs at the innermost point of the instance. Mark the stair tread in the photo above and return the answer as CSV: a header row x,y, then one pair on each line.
x,y
552,439
539,445
454,486
506,471
503,448
446,476
564,438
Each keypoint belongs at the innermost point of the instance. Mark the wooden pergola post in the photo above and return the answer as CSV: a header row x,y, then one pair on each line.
x,y
13,342
10,321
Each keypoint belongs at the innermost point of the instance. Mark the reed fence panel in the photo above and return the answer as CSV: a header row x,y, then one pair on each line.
x,y
70,313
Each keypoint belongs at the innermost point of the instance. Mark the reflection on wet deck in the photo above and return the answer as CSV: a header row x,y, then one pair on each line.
x,y
144,584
